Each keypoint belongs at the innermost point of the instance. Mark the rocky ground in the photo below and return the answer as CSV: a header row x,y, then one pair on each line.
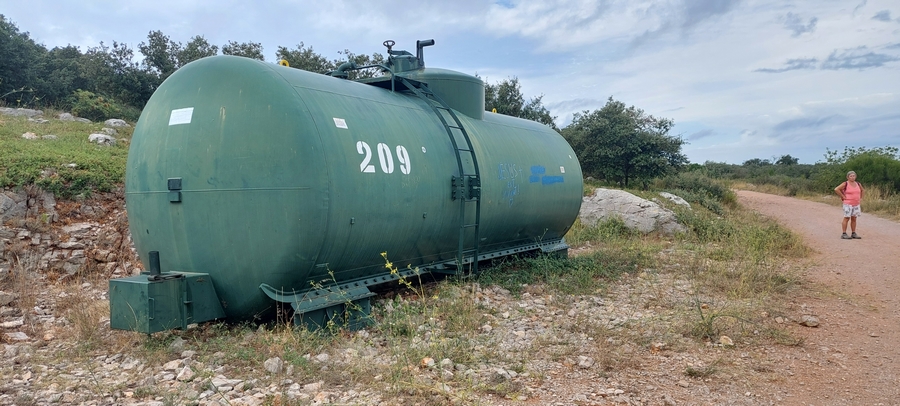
x,y
627,345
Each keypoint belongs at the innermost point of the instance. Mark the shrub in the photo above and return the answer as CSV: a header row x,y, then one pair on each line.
x,y
99,108
698,188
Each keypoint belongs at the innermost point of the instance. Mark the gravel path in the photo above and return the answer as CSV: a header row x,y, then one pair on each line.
x,y
856,345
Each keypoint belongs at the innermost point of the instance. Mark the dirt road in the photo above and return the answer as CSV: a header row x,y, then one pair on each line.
x,y
853,357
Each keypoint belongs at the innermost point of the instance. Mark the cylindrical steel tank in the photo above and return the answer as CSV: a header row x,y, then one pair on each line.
x,y
259,173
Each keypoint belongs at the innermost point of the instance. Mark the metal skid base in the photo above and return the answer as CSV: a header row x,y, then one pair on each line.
x,y
347,305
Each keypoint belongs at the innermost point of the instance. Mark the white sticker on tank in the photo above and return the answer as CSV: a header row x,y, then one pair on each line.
x,y
562,169
181,116
340,123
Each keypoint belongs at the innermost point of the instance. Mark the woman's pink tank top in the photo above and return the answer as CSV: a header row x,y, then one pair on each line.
x,y
851,194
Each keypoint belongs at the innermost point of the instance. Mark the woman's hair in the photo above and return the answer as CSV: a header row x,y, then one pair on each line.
x,y
851,173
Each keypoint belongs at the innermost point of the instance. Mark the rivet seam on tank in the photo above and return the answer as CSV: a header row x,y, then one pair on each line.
x,y
181,116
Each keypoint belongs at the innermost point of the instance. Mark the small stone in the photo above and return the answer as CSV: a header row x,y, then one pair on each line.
x,y
6,298
115,122
486,328
177,345
809,321
585,362
779,320
274,365
173,365
323,357
30,136
313,387
17,336
102,139
49,137
185,375
427,362
726,341
188,354
502,375
12,324
873,334
683,384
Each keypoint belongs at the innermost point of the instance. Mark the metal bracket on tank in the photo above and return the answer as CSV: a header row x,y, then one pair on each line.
x,y
345,305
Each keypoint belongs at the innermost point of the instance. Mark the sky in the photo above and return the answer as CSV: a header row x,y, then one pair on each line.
x,y
741,79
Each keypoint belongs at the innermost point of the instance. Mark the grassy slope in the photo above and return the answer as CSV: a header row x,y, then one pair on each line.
x,y
47,163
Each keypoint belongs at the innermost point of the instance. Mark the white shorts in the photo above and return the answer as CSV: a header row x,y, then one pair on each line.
x,y
852,211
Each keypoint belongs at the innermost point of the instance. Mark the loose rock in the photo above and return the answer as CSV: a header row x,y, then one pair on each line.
x,y
274,365
102,139
809,321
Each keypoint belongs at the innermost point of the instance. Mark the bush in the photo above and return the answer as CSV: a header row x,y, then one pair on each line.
x,y
99,108
698,188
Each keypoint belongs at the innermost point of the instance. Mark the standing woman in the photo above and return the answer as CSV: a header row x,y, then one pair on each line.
x,y
851,192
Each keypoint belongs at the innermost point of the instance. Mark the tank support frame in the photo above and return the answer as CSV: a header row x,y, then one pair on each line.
x,y
348,304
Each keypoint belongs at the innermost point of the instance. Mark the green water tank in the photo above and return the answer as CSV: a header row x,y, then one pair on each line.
x,y
255,173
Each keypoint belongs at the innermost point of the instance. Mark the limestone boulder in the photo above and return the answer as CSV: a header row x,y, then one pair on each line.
x,y
637,213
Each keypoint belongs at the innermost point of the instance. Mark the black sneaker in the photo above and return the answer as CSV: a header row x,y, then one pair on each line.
x,y
854,236
845,236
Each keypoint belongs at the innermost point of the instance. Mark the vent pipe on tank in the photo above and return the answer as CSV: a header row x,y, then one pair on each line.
x,y
422,43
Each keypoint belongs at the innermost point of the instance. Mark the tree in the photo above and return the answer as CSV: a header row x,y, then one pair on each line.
x,y
160,54
624,144
305,58
757,162
360,61
197,48
62,74
507,98
112,72
252,50
20,64
787,160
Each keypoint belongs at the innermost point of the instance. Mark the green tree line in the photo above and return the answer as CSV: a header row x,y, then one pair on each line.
x,y
878,166
615,144
106,80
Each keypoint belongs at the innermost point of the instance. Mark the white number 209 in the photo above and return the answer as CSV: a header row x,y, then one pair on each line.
x,y
385,158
